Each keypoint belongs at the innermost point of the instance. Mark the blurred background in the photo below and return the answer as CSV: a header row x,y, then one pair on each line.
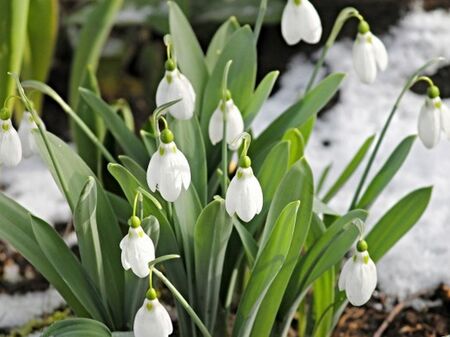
x,y
414,278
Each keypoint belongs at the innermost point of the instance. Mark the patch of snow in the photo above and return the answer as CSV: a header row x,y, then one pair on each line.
x,y
32,186
17,310
420,260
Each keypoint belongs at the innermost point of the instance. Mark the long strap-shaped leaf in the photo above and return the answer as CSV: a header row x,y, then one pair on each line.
x,y
77,327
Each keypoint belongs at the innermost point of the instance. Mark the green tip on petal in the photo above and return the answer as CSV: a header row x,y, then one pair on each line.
x,y
298,2
151,294
5,127
228,95
363,27
167,136
362,246
433,91
135,222
170,65
5,114
245,162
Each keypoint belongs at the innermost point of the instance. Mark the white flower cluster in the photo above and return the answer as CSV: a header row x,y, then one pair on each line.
x,y
15,145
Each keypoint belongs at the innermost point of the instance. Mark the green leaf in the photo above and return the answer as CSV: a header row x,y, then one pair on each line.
x,y
297,147
298,114
323,299
249,243
219,41
92,38
349,169
297,184
70,269
212,232
15,228
77,327
259,97
13,33
189,140
269,262
149,142
135,169
241,50
323,177
397,222
188,52
129,142
386,173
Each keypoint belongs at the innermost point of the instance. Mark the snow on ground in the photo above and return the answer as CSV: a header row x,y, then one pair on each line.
x,y
420,260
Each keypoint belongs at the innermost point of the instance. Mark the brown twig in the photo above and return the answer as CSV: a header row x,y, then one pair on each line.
x,y
397,309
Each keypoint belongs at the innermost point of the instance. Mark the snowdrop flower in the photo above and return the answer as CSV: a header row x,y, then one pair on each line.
x,y
10,147
369,54
434,117
359,276
173,86
244,195
137,249
300,21
235,123
168,170
152,319
26,127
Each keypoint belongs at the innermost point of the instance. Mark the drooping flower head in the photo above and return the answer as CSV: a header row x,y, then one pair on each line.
x,y
434,118
137,248
26,127
152,319
168,170
369,54
226,110
359,276
10,147
244,196
300,21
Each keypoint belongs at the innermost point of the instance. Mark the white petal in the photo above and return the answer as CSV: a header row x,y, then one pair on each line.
x,y
429,124
344,273
215,127
257,194
153,322
309,22
177,87
137,251
290,28
27,125
154,171
10,146
445,120
381,55
123,255
235,125
361,281
364,59
184,169
232,196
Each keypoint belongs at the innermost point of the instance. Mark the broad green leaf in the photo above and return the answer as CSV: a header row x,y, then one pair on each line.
x,y
248,242
73,174
323,299
298,113
242,76
70,269
188,52
297,147
135,169
189,140
13,33
349,169
85,222
129,142
121,207
397,222
297,184
386,173
73,327
259,97
149,142
15,228
212,232
92,38
271,258
219,41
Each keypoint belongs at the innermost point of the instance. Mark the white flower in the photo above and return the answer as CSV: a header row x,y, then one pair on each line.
x,y
244,195
10,147
235,124
168,171
137,251
26,127
173,86
369,54
358,278
152,320
429,122
300,21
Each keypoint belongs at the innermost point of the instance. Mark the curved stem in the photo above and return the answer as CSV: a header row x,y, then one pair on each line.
x,y
224,128
183,302
411,81
47,90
